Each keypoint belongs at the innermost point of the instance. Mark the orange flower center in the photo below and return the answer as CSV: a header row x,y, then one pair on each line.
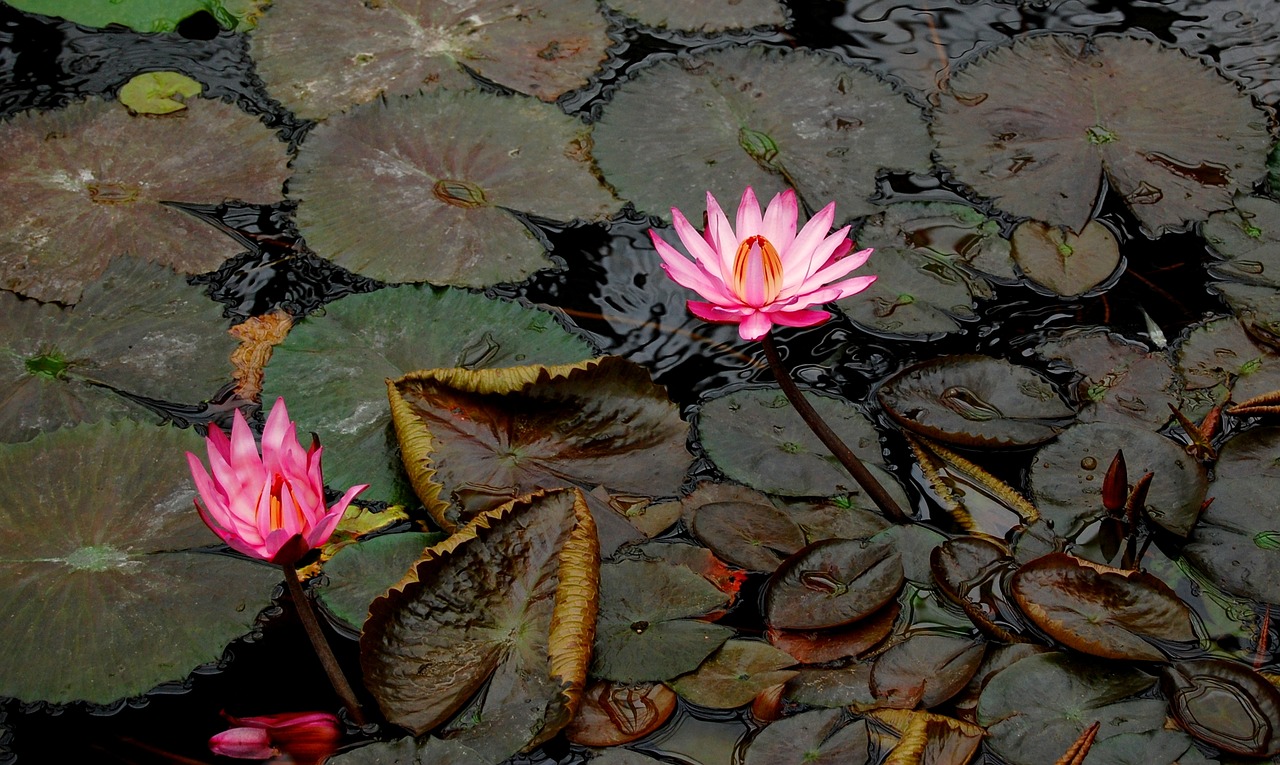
x,y
757,272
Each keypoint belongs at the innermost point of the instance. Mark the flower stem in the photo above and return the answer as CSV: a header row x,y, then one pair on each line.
x,y
307,615
829,439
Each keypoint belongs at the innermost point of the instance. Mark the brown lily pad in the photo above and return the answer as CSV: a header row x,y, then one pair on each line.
x,y
1063,262
976,401
832,583
736,674
1120,380
753,535
822,646
925,670
1225,704
819,737
613,714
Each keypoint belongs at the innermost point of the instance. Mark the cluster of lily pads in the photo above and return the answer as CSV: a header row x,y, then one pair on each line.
x,y
539,556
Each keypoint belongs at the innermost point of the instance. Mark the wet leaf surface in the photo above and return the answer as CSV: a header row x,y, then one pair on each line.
x,y
619,713
319,57
1105,612
509,600
707,16
1218,361
736,674
1065,263
99,544
332,368
924,670
484,435
752,535
1175,147
360,572
1120,380
647,630
976,401
925,738
91,166
1247,240
756,117
1066,476
832,583
376,199
1225,704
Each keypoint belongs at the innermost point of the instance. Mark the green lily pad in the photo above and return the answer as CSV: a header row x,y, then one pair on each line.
x,y
1036,708
101,568
146,15
756,437
1063,262
319,57
478,436
706,16
1066,476
509,600
1037,124
736,674
832,583
646,629
360,572
1109,613
376,198
1120,380
820,737
976,401
332,368
924,670
90,166
751,116
158,92
134,325
1226,704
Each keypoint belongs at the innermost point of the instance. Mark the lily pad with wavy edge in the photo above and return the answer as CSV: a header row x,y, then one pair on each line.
x,y
974,400
358,573
134,325
1063,262
756,117
332,368
473,436
756,437
146,15
819,737
1039,123
1102,611
1066,476
1036,708
105,590
613,714
319,57
90,166
1237,540
1219,361
706,16
1226,704
647,629
832,583
423,188
736,674
509,600
924,670
1120,381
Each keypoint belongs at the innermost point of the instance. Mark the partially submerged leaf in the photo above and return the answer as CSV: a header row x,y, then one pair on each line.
x,y
99,544
1038,123
619,713
377,199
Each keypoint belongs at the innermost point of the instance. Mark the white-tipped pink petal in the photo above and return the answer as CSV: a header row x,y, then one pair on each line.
x,y
779,225
749,219
694,242
688,274
755,326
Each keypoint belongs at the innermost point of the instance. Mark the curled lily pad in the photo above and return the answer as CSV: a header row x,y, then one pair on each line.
x,y
1225,704
529,568
756,437
319,57
1120,379
359,573
477,435
1063,262
820,737
976,401
376,197
647,631
924,737
1102,611
333,367
750,116
832,583
146,15
619,713
1066,476
924,669
736,674
90,166
1175,147
99,545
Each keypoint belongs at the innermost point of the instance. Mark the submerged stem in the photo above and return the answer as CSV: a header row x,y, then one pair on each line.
x,y
307,615
829,439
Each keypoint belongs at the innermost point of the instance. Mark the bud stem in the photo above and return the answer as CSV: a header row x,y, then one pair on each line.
x,y
307,615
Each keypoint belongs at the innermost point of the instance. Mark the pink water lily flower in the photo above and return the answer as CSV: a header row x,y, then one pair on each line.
x,y
305,737
762,272
268,505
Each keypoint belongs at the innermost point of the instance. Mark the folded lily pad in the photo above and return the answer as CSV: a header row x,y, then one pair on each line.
x,y
976,401
91,166
146,15
134,325
1226,704
509,600
319,57
751,116
705,16
101,567
423,188
473,436
1038,123
333,367
1063,262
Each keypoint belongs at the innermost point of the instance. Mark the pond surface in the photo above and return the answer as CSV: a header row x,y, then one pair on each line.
x,y
1161,309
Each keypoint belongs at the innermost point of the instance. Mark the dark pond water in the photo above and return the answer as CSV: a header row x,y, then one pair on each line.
x,y
609,287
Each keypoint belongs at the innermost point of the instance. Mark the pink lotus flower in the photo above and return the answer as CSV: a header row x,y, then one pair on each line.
x,y
305,737
269,506
763,273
